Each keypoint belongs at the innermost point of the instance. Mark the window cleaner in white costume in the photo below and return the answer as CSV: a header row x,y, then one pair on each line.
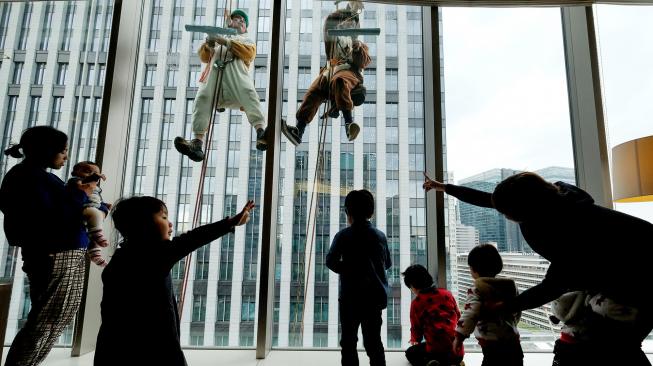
x,y
236,88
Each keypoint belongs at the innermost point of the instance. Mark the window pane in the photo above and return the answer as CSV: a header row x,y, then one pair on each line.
x,y
54,96
626,55
170,77
307,288
514,118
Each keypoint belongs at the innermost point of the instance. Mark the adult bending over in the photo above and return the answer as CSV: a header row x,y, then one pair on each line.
x,y
589,247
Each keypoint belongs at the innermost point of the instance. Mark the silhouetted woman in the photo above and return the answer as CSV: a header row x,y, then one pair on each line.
x,y
44,218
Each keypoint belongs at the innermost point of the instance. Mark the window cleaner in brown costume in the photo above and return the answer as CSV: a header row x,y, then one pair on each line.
x,y
236,90
340,81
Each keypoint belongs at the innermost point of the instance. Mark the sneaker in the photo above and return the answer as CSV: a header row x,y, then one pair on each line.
x,y
291,132
352,130
192,149
261,139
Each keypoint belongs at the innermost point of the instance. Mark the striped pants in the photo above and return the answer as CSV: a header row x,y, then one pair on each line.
x,y
56,284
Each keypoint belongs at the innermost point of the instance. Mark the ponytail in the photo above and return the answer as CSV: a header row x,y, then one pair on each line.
x,y
39,144
14,151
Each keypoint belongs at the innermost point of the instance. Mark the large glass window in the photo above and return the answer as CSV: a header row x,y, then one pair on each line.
x,y
321,174
57,31
627,85
222,276
506,111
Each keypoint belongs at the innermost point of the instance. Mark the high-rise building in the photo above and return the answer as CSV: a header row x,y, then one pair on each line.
x,y
52,66
493,226
466,238
55,69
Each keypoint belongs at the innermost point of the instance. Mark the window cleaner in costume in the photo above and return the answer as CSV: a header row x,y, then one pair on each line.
x,y
237,90
341,80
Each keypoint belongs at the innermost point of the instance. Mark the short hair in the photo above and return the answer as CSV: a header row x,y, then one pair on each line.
x,y
133,217
417,276
485,260
524,195
39,143
359,204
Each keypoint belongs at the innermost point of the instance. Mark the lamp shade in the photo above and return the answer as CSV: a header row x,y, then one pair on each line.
x,y
632,170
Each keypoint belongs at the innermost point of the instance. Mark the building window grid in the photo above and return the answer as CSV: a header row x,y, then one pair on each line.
x,y
102,74
107,28
18,73
202,263
68,26
155,26
224,308
61,73
39,72
56,112
33,111
199,308
171,81
321,311
97,28
194,72
142,146
25,25
9,124
90,75
150,74
46,28
5,11
166,143
176,32
248,307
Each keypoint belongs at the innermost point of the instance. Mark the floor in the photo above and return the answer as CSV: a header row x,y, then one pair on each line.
x,y
61,357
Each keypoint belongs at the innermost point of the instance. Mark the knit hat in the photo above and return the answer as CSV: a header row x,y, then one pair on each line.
x,y
243,14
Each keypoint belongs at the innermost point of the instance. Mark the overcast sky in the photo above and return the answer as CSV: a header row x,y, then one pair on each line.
x,y
506,91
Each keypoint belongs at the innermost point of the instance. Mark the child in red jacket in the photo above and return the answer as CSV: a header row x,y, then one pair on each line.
x,y
433,318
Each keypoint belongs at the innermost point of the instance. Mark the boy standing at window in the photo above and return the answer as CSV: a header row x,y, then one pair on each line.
x,y
360,255
433,317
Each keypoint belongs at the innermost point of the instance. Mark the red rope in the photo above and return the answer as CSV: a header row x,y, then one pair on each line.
x,y
200,194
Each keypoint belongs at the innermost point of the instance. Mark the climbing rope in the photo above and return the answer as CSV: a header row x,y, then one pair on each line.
x,y
317,179
222,59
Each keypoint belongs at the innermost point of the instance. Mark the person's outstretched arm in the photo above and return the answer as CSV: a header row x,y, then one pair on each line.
x,y
182,245
465,194
544,292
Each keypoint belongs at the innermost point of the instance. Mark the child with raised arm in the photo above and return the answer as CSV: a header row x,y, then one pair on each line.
x,y
140,321
95,210
360,255
497,333
433,317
